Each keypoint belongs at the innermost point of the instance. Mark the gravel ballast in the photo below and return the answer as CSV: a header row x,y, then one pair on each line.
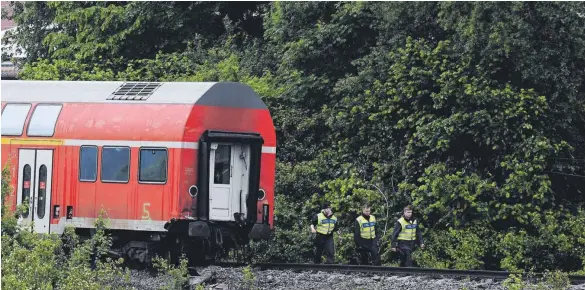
x,y
233,279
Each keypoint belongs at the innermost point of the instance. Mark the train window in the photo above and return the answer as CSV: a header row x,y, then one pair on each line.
x,y
26,174
222,166
153,165
88,163
115,164
43,120
13,118
42,191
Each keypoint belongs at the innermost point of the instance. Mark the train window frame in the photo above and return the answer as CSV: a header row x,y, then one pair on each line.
x,y
23,121
44,193
166,165
229,164
102,164
54,123
22,201
97,158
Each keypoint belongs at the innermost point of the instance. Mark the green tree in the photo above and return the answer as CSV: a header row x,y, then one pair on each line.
x,y
474,112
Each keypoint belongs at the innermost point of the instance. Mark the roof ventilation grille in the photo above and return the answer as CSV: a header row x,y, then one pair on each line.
x,y
134,91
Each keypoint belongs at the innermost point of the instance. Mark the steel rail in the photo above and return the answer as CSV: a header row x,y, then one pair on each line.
x,y
496,275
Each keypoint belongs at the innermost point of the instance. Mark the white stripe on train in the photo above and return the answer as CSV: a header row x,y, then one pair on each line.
x,y
132,143
117,224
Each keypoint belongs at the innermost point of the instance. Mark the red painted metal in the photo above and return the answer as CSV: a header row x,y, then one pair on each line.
x,y
105,122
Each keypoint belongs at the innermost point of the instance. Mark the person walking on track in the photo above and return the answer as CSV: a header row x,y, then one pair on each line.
x,y
405,235
366,236
324,224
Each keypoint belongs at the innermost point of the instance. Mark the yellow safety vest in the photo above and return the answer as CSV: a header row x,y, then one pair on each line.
x,y
367,228
325,225
408,232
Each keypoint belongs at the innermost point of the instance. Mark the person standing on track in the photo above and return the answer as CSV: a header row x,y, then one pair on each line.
x,y
366,236
324,224
406,234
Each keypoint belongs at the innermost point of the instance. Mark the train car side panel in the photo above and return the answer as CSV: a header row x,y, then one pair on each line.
x,y
187,186
151,154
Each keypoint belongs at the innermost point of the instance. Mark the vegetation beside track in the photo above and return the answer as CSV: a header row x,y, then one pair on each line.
x,y
473,112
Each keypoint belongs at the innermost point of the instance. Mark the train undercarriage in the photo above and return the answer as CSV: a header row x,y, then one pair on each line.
x,y
200,242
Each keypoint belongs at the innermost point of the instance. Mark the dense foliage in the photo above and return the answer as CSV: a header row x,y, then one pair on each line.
x,y
473,112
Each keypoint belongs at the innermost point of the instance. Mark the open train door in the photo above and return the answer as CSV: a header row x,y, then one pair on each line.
x,y
228,179
229,172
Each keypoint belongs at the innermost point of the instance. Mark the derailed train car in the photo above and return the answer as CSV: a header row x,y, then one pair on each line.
x,y
178,167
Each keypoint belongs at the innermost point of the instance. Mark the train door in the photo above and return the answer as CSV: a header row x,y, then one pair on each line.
x,y
34,185
228,180
26,165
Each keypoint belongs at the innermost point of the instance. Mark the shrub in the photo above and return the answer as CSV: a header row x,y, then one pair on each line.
x,y
47,261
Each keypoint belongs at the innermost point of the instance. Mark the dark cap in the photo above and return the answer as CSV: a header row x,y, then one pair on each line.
x,y
326,205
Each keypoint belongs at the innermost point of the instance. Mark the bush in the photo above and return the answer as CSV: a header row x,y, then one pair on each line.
x,y
291,241
47,261
455,248
551,280
249,278
179,273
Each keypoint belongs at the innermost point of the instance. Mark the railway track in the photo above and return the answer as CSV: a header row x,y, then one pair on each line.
x,y
495,275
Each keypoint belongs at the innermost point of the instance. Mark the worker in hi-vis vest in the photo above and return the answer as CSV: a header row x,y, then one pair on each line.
x,y
324,224
366,235
406,234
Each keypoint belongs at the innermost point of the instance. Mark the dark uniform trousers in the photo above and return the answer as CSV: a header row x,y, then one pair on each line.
x,y
405,250
324,242
369,246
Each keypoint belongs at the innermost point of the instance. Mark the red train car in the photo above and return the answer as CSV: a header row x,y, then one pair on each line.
x,y
182,164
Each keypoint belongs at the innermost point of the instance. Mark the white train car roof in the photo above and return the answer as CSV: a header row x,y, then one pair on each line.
x,y
222,94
